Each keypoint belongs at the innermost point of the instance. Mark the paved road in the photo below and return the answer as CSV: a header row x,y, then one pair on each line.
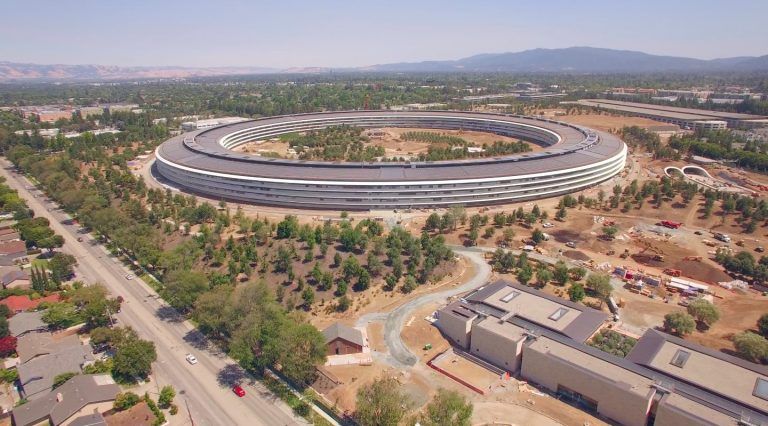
x,y
399,354
205,388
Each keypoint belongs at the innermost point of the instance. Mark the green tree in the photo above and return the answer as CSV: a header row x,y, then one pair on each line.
x,y
448,407
762,325
561,273
183,287
601,285
125,400
308,295
62,378
4,327
576,292
133,358
524,275
679,323
704,312
62,267
543,276
167,393
751,346
381,403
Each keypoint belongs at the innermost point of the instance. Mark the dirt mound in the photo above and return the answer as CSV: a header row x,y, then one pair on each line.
x,y
647,259
575,255
701,271
565,235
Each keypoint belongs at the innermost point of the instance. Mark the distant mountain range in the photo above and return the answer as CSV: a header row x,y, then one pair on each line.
x,y
568,60
579,60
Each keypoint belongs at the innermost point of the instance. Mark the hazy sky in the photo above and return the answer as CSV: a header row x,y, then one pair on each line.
x,y
288,33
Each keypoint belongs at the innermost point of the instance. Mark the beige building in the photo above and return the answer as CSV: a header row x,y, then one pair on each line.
x,y
664,381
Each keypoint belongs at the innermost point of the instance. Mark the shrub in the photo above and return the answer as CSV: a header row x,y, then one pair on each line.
x,y
125,400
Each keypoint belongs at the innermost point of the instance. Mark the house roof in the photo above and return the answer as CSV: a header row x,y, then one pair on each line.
x,y
13,247
95,419
42,360
14,275
4,231
62,403
341,331
24,322
138,415
23,303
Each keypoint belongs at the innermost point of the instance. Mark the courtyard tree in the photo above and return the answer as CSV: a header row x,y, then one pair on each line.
x,y
704,312
679,323
381,403
448,407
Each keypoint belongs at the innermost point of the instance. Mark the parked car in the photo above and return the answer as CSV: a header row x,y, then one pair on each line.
x,y
191,359
759,249
570,244
130,277
548,225
239,391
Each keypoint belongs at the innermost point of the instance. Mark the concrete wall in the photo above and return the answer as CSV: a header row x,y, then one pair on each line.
x,y
501,351
669,415
455,329
615,400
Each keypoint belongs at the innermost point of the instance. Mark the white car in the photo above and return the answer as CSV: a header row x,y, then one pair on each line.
x,y
191,359
548,225
130,277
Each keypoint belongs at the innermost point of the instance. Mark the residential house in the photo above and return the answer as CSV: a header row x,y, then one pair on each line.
x,y
44,356
26,322
16,278
81,396
341,339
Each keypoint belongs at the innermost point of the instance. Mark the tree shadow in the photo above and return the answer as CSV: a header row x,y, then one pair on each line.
x,y
198,340
169,314
231,375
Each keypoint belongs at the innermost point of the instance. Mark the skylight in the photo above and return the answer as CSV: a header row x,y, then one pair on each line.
x,y
680,358
510,296
559,313
761,388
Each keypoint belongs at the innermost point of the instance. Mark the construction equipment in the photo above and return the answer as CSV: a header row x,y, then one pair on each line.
x,y
670,224
658,257
693,258
672,272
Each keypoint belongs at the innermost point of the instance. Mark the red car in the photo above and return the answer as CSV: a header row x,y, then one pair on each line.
x,y
239,391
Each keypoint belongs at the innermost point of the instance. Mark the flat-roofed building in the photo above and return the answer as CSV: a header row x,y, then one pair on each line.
x,y
498,342
455,321
741,381
687,118
675,410
589,381
567,318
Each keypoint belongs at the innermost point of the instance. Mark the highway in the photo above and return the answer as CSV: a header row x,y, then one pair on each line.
x,y
204,394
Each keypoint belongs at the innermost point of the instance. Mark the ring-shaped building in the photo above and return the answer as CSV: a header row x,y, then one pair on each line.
x,y
574,158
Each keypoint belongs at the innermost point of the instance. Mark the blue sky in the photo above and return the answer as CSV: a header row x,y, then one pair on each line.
x,y
290,33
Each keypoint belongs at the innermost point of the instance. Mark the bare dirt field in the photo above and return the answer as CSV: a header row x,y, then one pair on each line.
x,y
607,122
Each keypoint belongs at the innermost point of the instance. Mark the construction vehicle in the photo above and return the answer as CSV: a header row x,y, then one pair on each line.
x,y
722,237
658,257
740,243
611,252
670,224
625,254
693,258
672,272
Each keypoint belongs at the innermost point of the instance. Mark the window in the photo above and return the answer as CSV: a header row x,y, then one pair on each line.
x,y
680,358
559,313
510,296
761,388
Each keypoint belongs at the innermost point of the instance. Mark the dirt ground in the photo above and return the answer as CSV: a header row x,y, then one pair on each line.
x,y
606,122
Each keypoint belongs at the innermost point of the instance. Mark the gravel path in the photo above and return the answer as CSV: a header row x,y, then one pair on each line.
x,y
399,354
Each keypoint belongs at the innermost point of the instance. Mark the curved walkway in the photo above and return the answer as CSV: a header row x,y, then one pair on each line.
x,y
399,354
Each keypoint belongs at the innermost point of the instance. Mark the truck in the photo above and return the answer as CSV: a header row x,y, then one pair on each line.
x,y
670,224
722,237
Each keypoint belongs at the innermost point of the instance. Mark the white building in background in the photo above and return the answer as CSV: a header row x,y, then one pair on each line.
x,y
189,126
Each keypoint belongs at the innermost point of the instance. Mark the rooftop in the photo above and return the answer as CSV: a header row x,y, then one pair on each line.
x,y
67,400
341,331
44,357
735,379
23,303
26,321
667,111
570,319
13,247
